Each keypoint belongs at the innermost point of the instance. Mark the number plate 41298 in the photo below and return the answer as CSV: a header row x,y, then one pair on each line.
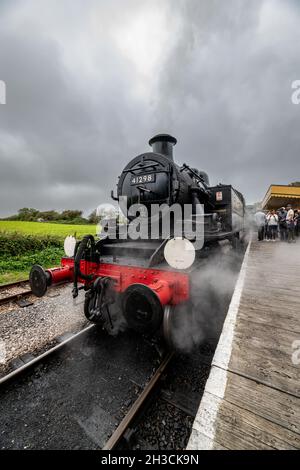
x,y
140,179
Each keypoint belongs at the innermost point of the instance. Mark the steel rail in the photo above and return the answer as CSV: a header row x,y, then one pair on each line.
x,y
18,295
13,284
136,407
11,298
37,359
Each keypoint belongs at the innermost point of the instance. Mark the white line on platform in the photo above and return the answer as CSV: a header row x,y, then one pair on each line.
x,y
223,351
203,432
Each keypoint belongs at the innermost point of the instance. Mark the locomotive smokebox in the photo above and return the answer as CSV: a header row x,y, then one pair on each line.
x,y
163,144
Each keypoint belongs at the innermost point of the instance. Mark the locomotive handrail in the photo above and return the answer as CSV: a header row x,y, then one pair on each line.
x,y
200,178
79,251
131,170
114,198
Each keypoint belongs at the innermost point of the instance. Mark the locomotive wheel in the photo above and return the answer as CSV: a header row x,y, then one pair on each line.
x,y
38,280
110,318
88,304
176,332
142,309
167,325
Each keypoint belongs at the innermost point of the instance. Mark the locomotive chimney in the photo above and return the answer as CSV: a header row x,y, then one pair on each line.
x,y
163,143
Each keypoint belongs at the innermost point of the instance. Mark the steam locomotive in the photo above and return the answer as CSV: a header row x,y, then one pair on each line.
x,y
131,274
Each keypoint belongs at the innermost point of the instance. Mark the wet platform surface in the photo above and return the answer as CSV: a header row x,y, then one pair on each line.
x,y
252,396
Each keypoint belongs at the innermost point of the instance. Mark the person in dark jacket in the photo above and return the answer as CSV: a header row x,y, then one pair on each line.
x,y
290,224
282,224
297,222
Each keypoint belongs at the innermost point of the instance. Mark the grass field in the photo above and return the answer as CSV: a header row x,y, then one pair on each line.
x,y
15,268
43,228
23,244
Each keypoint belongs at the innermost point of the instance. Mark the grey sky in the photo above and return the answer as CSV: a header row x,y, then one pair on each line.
x,y
90,81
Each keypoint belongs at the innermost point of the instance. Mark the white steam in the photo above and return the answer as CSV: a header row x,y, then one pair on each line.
x,y
212,286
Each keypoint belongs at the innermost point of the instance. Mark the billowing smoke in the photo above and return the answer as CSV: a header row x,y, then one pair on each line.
x,y
212,287
117,319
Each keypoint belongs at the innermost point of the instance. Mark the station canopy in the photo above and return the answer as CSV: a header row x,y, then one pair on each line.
x,y
280,195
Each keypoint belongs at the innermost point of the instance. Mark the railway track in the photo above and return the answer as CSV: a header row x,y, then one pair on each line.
x,y
14,291
84,383
162,400
35,360
108,390
138,405
79,368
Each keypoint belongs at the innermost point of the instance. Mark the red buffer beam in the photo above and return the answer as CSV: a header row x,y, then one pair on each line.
x,y
171,287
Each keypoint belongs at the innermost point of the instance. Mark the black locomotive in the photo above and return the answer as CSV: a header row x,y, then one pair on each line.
x,y
144,280
153,179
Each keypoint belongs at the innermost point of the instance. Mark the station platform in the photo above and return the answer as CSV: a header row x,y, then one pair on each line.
x,y
252,396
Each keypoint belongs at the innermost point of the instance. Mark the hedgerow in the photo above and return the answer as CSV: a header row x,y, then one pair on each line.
x,y
16,244
48,257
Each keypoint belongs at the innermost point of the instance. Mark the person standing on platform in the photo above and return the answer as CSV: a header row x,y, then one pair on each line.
x,y
297,222
260,220
272,219
282,224
267,231
290,224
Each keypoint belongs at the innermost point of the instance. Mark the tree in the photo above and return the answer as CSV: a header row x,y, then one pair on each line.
x,y
93,218
70,214
49,215
27,213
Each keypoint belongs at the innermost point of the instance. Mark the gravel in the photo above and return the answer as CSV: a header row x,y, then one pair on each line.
x,y
6,291
76,397
167,422
166,428
33,328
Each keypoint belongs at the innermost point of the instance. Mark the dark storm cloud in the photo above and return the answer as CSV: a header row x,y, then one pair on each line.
x,y
89,82
227,91
62,133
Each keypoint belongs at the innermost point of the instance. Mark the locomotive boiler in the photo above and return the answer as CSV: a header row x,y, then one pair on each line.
x,y
139,270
